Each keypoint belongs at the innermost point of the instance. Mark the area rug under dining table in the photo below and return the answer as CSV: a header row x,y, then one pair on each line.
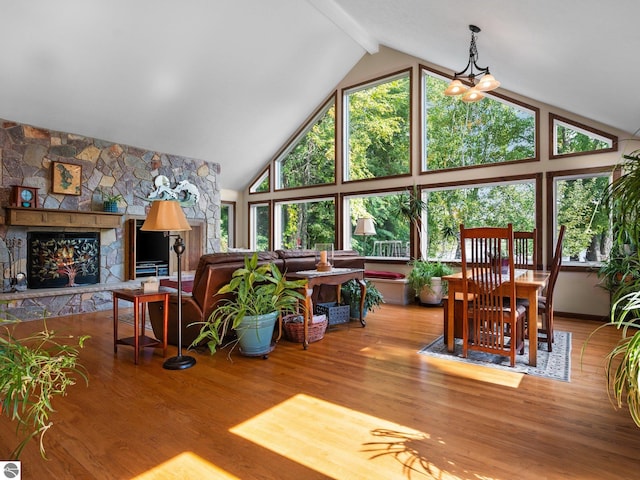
x,y
555,365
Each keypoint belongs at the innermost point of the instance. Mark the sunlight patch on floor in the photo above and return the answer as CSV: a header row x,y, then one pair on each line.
x,y
184,466
342,443
476,372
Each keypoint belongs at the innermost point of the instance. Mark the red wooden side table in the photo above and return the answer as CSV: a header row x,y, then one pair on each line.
x,y
139,340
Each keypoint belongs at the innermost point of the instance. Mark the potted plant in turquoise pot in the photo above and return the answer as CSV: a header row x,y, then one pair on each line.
x,y
110,201
350,292
258,294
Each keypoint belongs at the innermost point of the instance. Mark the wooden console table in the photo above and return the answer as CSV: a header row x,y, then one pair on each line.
x,y
337,277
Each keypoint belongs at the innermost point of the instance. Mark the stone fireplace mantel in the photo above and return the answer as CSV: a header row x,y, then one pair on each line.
x,y
20,216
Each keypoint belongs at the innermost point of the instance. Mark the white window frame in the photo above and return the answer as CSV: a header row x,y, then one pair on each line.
x,y
277,164
253,227
345,120
427,190
277,215
347,228
555,223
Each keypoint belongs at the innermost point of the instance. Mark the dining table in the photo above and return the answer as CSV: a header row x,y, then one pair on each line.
x,y
529,285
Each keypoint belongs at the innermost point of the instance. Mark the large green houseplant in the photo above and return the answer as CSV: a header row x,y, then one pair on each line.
x,y
622,364
33,371
425,278
621,276
256,296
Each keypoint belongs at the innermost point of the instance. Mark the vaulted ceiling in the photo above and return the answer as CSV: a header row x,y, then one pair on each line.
x,y
230,80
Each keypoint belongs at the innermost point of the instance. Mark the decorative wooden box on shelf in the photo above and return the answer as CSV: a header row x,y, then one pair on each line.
x,y
61,218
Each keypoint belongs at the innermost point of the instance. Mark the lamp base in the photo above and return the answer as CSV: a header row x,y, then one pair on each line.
x,y
179,363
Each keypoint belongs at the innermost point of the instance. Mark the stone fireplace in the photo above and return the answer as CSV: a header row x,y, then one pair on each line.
x,y
26,153
62,259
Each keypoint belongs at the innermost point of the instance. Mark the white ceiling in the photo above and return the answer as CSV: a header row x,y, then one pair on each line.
x,y
230,80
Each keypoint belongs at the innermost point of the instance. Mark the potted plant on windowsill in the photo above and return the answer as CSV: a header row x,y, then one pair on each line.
x,y
257,295
350,292
426,280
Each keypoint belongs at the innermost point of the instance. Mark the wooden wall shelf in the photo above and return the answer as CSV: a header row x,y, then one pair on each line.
x,y
32,217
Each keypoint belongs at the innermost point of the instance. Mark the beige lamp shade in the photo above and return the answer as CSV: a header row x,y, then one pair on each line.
x,y
365,226
487,83
456,87
165,216
472,95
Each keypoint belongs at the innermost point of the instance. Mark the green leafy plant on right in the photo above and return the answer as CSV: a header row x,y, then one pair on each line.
x,y
620,274
622,363
423,271
33,371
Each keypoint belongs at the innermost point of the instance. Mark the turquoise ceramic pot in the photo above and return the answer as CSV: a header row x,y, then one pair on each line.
x,y
111,207
255,334
355,312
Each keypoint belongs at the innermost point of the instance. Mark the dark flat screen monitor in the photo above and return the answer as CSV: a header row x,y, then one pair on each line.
x,y
151,247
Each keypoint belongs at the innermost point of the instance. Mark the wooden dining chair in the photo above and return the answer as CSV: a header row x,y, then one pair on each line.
x,y
490,324
545,301
524,250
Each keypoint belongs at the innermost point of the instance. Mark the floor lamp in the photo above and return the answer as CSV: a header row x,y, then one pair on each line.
x,y
365,227
167,216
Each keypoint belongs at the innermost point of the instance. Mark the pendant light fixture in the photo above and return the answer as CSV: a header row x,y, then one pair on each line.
x,y
486,83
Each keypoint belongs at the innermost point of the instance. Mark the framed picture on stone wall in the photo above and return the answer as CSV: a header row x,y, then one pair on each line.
x,y
66,178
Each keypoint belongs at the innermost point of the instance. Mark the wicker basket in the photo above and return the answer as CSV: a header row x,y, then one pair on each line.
x,y
294,330
335,313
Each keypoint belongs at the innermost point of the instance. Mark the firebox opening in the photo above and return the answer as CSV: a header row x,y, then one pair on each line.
x,y
62,259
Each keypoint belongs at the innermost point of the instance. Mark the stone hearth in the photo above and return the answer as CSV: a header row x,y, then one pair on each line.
x,y
55,302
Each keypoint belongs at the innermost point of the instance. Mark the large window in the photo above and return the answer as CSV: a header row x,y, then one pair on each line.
x,y
459,134
458,139
391,238
573,138
310,158
377,119
303,223
259,223
578,204
227,226
261,185
495,204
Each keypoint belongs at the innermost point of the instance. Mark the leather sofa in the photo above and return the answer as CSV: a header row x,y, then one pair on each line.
x,y
214,270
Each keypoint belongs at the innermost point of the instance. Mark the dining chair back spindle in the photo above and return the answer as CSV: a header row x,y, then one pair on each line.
x,y
492,321
525,250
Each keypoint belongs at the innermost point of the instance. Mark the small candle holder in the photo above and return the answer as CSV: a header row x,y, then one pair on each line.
x,y
324,257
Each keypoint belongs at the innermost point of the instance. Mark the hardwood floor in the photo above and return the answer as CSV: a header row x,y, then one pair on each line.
x,y
360,404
